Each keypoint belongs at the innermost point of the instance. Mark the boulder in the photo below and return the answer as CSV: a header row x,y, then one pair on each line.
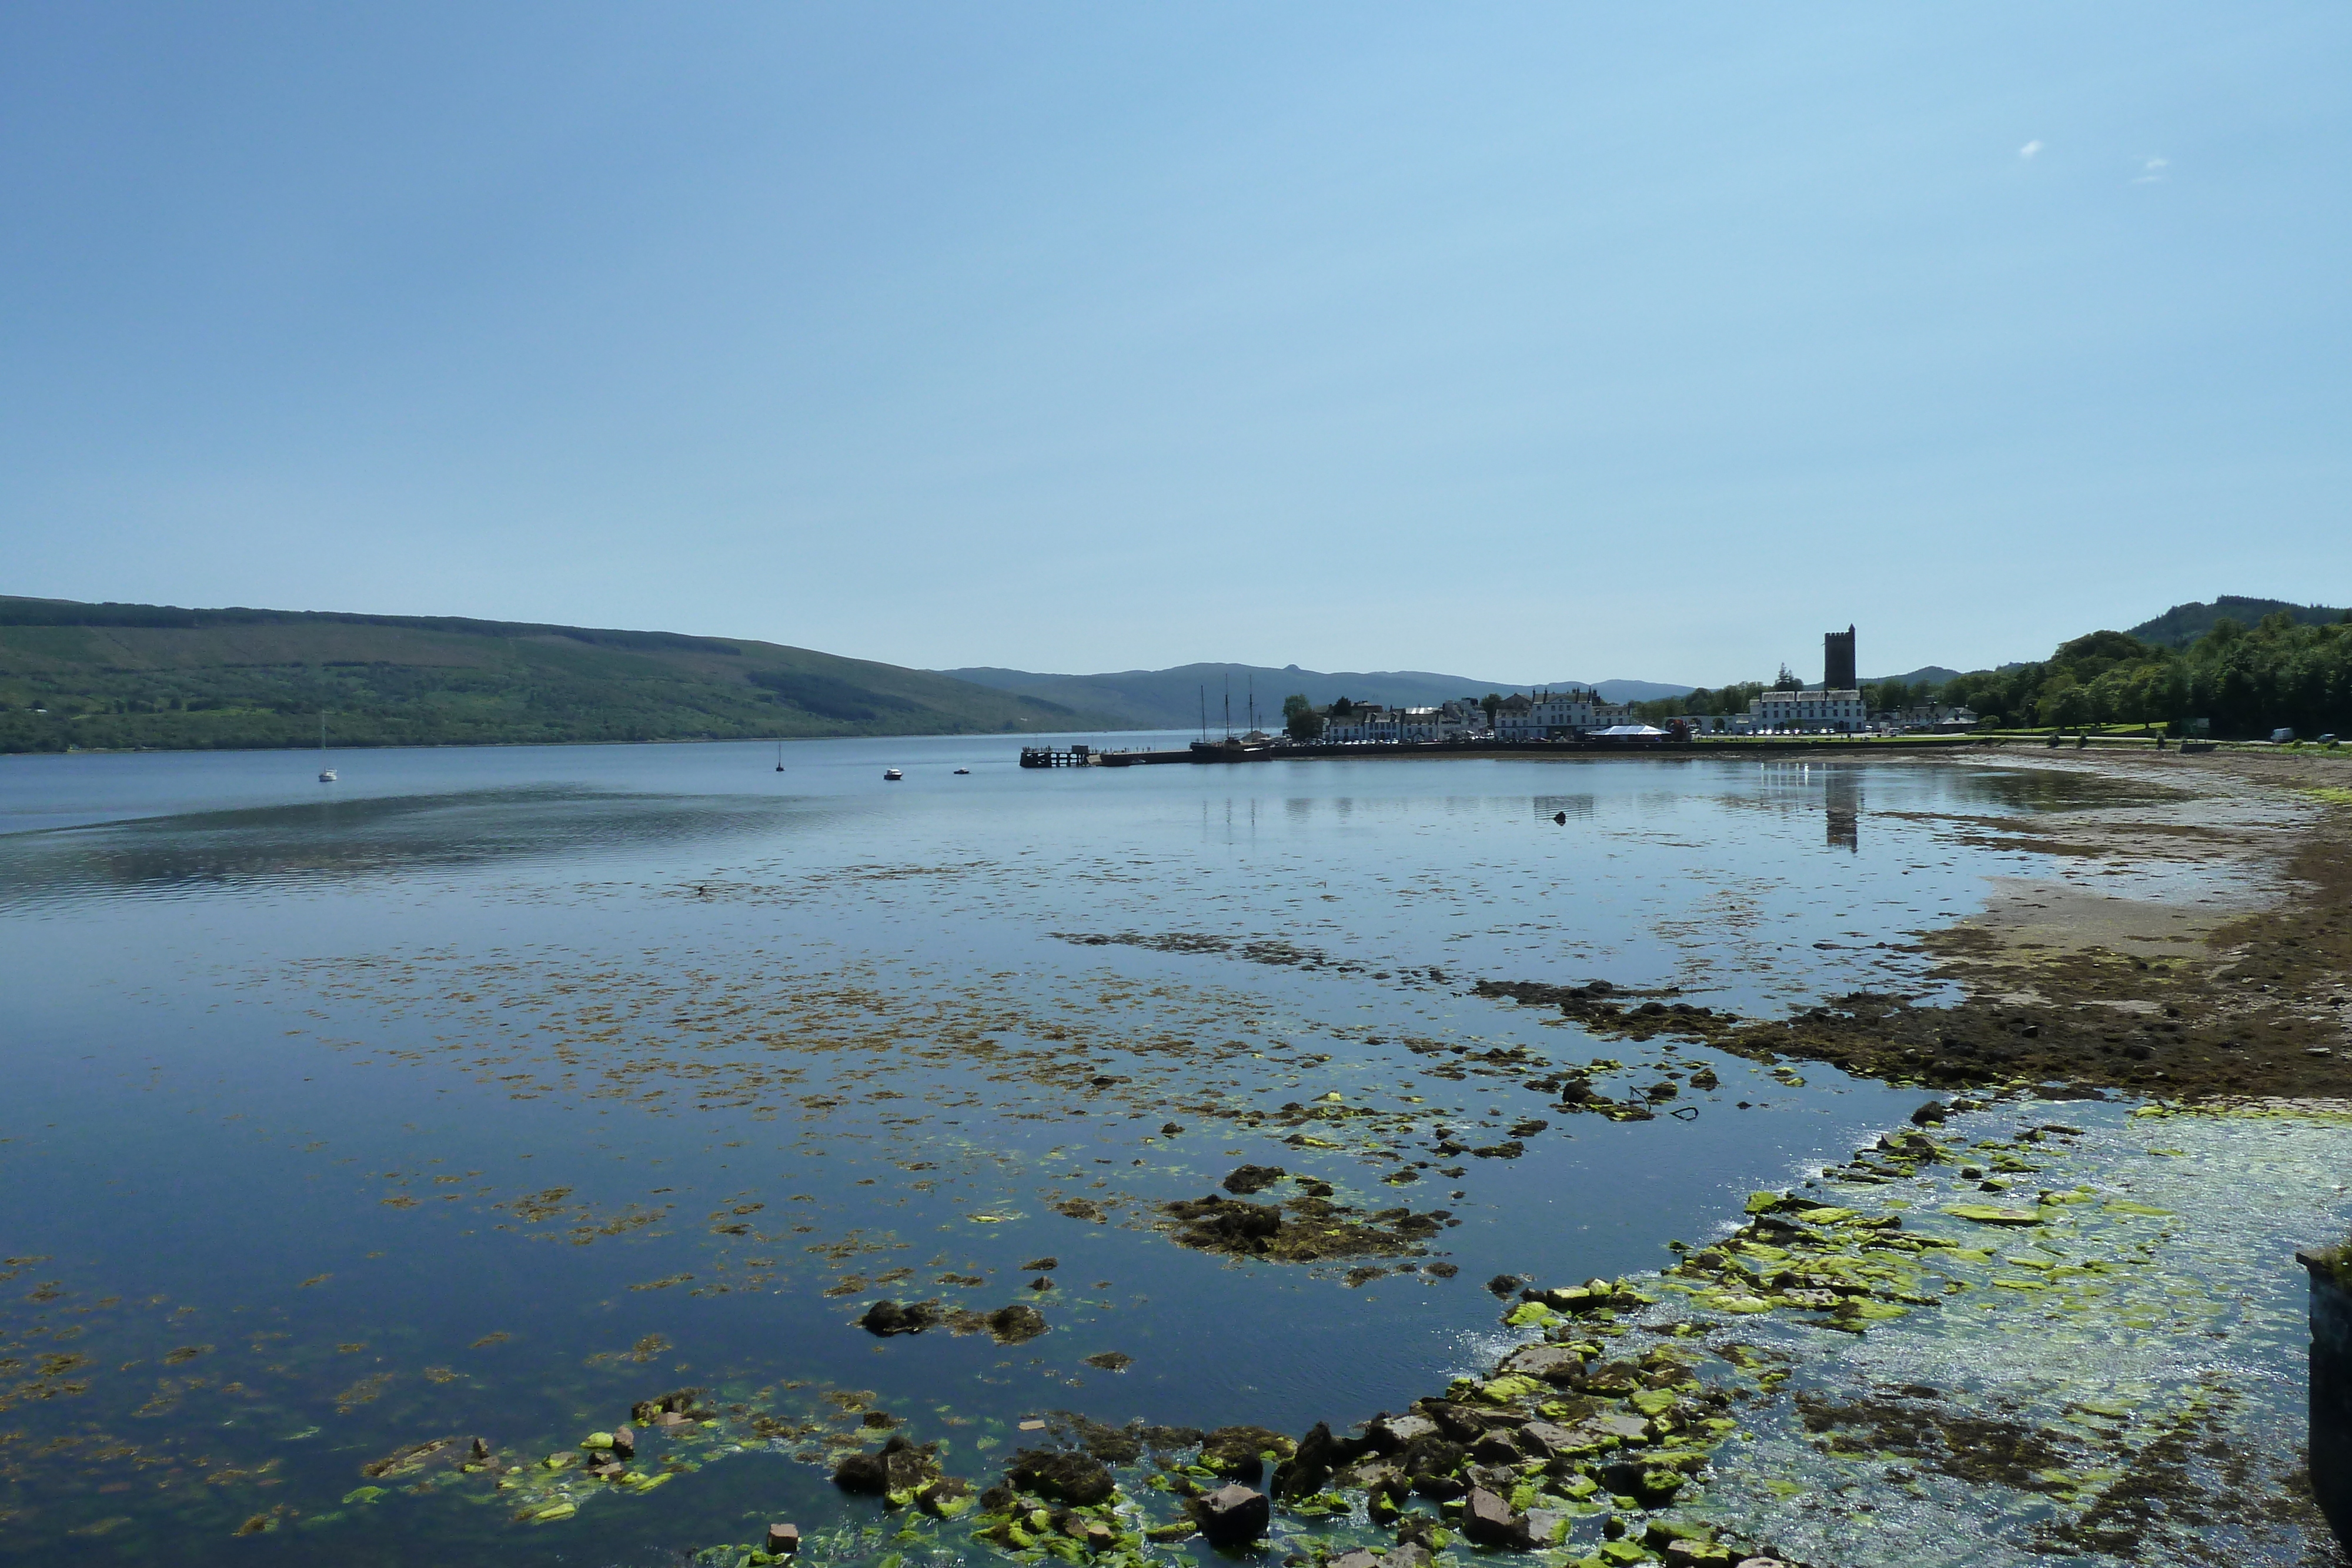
x,y
1549,1440
897,1466
1308,1468
625,1442
783,1540
864,1475
1496,1448
1552,1363
1078,1480
1391,1432
1232,1515
1244,1180
1380,1478
1359,1558
1488,1521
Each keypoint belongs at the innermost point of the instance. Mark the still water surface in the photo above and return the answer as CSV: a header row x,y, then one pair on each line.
x,y
487,1091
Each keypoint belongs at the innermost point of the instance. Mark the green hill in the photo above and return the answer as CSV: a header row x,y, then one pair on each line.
x,y
129,676
2184,624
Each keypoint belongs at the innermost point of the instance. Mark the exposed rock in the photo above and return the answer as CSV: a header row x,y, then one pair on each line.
x,y
1552,1363
887,1317
1110,1361
783,1540
1391,1432
1496,1448
1358,1558
864,1474
1549,1440
1232,1515
1078,1480
1405,1555
625,1442
1248,1179
1488,1521
1651,1487
1503,1285
1308,1468
1041,1265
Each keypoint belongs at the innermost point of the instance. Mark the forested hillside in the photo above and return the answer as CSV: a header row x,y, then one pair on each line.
x,y
124,675
2247,680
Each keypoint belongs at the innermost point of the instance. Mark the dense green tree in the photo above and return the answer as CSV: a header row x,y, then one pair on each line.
x,y
1300,720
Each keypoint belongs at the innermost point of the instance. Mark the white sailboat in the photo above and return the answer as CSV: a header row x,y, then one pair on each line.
x,y
326,774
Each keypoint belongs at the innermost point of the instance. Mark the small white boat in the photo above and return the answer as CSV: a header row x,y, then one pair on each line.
x,y
891,774
961,772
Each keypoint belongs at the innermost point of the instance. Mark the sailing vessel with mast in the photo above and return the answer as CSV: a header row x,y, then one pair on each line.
x,y
326,774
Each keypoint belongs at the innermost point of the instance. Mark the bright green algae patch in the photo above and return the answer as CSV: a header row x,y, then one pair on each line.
x,y
2081,1364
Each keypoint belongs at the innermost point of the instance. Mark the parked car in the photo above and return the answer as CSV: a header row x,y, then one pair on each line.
x,y
2281,737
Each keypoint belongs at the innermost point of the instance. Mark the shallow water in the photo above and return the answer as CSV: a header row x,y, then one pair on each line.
x,y
487,1091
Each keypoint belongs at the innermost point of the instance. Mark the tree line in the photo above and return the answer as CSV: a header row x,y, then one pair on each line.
x,y
2245,680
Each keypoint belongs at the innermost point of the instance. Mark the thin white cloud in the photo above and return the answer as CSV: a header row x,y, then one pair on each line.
x,y
2029,149
2152,170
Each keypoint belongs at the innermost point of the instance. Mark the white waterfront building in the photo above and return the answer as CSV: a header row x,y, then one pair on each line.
x,y
1833,711
1573,710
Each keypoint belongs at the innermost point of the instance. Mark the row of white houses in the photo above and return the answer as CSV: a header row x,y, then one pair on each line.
x,y
1573,710
1579,710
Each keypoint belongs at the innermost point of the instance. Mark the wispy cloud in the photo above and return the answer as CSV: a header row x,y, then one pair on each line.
x,y
2031,150
2152,170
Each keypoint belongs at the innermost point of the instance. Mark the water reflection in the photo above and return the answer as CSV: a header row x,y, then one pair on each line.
x,y
1842,801
344,841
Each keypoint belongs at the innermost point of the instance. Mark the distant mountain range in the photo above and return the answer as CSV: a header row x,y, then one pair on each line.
x,y
1174,698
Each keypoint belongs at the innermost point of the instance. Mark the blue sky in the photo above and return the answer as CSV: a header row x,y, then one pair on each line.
x,y
1518,342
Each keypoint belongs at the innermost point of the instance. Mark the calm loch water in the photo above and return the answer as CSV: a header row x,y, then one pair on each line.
x,y
486,1093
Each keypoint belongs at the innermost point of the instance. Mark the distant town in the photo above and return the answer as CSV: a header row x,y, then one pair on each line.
x,y
1837,706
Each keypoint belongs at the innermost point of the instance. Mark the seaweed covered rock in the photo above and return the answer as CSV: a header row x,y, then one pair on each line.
x,y
899,1465
1233,1515
671,1409
1060,1476
1240,1451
